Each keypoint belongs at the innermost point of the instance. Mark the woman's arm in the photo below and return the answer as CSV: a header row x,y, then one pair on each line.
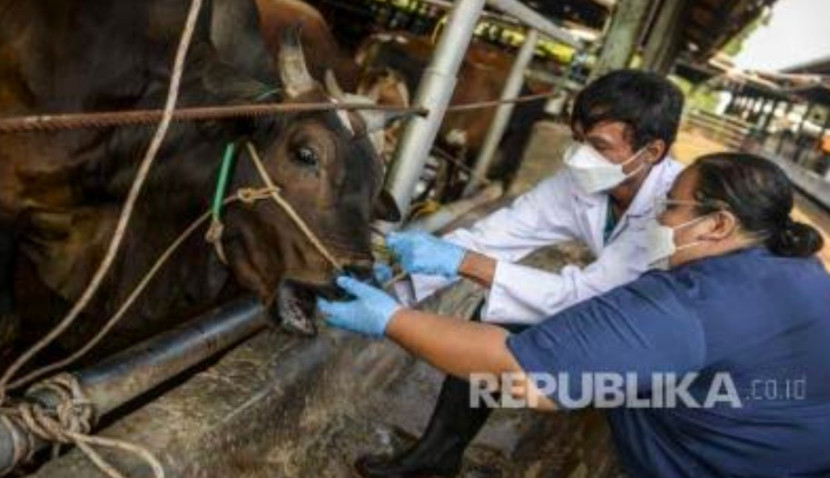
x,y
478,268
455,346
463,348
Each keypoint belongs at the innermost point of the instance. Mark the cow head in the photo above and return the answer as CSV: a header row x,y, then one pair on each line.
x,y
328,170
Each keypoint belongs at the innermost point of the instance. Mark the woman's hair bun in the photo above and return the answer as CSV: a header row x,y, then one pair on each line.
x,y
795,239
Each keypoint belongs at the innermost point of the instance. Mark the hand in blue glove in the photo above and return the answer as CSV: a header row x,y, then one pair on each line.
x,y
368,313
383,272
422,253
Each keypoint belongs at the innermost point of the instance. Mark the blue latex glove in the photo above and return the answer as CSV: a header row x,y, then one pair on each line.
x,y
422,253
383,272
368,313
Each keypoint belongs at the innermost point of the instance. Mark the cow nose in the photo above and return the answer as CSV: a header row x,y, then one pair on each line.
x,y
361,270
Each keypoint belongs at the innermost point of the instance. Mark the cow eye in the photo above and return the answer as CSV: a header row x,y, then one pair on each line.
x,y
306,156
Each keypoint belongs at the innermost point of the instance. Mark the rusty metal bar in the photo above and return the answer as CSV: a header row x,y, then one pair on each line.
x,y
139,369
146,117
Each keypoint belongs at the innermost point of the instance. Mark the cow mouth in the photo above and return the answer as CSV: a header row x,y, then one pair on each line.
x,y
296,303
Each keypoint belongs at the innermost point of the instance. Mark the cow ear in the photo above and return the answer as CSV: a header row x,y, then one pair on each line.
x,y
386,208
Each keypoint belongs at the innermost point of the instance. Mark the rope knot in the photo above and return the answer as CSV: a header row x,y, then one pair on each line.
x,y
252,195
73,414
214,237
68,421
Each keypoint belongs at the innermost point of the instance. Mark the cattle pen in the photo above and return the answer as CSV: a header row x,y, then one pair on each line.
x,y
224,392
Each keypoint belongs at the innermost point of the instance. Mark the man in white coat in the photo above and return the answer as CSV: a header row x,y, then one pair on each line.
x,y
624,124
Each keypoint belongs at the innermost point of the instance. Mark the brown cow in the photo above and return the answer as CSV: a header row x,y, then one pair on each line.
x,y
61,193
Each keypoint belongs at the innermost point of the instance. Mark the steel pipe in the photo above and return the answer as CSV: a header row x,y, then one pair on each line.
x,y
511,90
139,369
440,219
434,93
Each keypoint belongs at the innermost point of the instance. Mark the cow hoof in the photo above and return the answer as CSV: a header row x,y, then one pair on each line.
x,y
294,310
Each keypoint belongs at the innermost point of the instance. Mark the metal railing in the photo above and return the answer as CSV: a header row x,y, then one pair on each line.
x,y
438,83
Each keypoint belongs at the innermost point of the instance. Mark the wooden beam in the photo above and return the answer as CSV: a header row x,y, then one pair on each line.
x,y
621,39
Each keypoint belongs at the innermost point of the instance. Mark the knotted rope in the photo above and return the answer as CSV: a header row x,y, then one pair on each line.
x,y
68,423
250,195
24,419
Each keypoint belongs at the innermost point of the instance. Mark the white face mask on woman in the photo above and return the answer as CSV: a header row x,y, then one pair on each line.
x,y
592,172
660,238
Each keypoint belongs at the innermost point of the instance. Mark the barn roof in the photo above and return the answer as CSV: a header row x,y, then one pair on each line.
x,y
708,24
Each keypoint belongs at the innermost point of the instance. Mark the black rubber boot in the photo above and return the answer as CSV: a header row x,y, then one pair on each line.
x,y
452,427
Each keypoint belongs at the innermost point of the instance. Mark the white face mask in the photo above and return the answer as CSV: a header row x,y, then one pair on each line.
x,y
660,241
594,173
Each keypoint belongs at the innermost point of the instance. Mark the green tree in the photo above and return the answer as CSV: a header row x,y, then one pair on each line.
x,y
736,43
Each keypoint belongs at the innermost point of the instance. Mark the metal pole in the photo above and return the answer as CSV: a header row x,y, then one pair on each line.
x,y
448,214
141,368
511,90
434,93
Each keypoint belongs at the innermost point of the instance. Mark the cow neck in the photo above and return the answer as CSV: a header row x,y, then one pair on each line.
x,y
271,190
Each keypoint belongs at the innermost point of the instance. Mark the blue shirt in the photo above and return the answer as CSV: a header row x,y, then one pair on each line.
x,y
754,327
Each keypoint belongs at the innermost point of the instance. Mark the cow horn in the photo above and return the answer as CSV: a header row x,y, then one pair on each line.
x,y
293,70
333,87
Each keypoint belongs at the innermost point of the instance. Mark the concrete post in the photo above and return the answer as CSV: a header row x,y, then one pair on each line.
x,y
769,116
434,93
511,90
799,147
732,106
664,39
621,38
787,110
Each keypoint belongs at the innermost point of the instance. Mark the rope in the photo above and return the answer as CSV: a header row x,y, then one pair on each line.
x,y
245,195
274,193
126,212
119,314
72,422
489,104
26,418
68,423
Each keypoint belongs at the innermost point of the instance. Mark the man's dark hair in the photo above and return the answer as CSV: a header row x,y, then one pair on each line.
x,y
647,102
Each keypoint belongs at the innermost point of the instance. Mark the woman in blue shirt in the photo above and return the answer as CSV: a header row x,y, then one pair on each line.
x,y
718,366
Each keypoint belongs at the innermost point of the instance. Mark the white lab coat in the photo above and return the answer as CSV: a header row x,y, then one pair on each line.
x,y
555,211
